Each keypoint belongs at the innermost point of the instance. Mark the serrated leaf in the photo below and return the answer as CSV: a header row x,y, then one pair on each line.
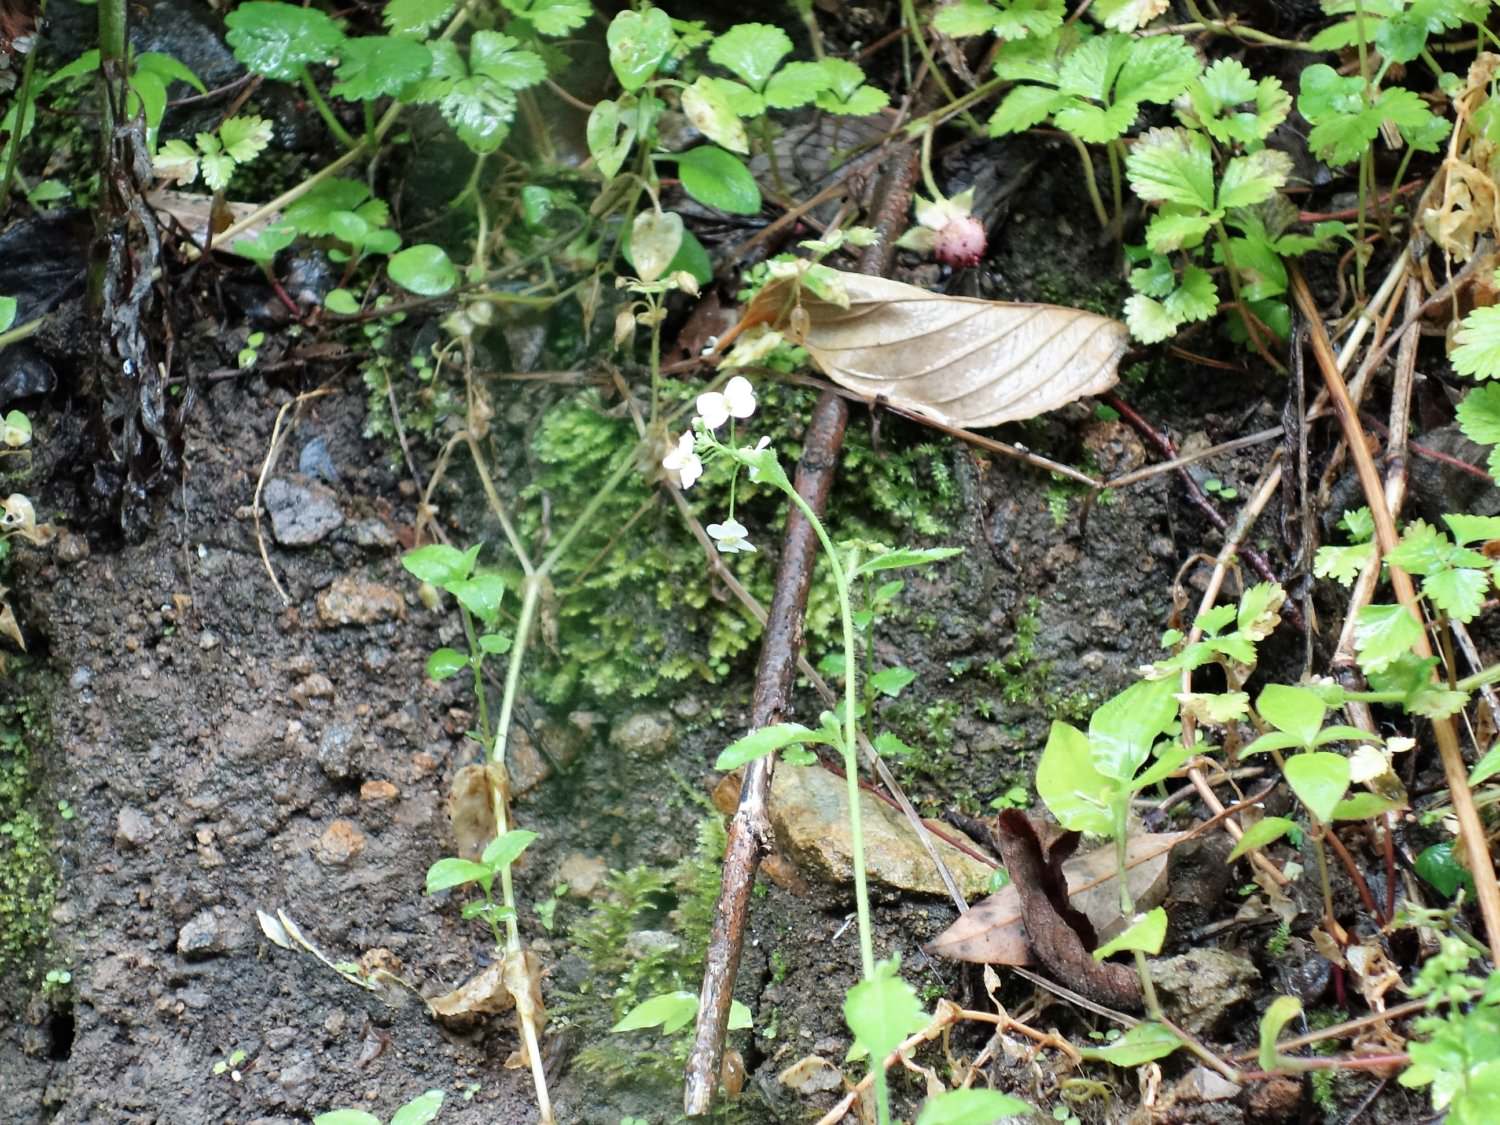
x,y
1023,107
1197,298
1478,340
174,160
1253,179
552,17
415,17
891,681
277,40
796,84
882,1011
1156,69
751,51
1384,633
1127,15
379,66
1172,166
1343,564
1096,124
440,564
245,138
1471,529
1168,232
1148,319
846,92
1459,592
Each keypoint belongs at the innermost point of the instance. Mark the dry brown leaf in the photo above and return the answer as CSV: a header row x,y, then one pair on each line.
x,y
962,361
471,809
482,994
523,978
811,1075
992,931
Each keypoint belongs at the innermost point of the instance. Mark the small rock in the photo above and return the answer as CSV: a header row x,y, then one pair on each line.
x,y
340,843
205,935
316,463
301,513
336,752
1276,1099
208,641
375,533
81,678
133,827
812,1075
280,1038
353,601
316,686
584,874
810,816
70,547
378,791
1115,447
1201,989
648,733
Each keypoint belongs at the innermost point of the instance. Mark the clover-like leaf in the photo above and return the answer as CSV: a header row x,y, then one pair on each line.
x,y
883,1010
379,66
1172,166
1382,634
277,40
750,51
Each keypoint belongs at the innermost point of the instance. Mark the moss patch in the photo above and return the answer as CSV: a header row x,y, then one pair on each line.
x,y
28,874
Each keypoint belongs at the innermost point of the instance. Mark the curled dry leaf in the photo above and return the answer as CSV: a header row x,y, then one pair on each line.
x,y
484,993
811,1075
523,979
1060,935
962,361
471,810
992,931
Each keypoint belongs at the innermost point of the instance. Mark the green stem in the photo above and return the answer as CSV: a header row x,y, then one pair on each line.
x,y
476,663
1089,182
326,112
1490,675
22,104
914,28
113,19
851,762
1115,147
958,105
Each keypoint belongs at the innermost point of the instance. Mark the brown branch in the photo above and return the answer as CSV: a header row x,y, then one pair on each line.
x,y
1481,866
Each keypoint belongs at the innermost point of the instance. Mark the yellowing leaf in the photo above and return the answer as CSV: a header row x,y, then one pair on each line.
x,y
992,932
962,361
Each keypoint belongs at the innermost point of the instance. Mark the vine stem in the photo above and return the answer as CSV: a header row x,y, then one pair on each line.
x,y
1471,828
1089,182
325,111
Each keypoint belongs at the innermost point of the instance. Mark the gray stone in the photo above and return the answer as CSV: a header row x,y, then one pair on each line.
x,y
646,943
316,463
648,733
132,827
1202,989
302,513
375,533
206,934
810,816
336,753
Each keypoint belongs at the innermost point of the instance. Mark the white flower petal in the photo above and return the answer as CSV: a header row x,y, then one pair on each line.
x,y
713,409
739,397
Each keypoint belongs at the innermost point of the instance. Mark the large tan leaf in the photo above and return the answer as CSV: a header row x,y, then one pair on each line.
x,y
963,361
993,933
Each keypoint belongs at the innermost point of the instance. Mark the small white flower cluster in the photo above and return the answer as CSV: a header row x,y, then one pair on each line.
x,y
736,400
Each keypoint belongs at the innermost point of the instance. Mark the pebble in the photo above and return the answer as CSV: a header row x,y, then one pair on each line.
x,y
336,752
378,791
301,514
584,874
205,935
133,827
374,533
316,686
648,733
317,463
1202,988
70,547
340,843
353,601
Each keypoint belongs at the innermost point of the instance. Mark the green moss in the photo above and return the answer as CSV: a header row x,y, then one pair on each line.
x,y
620,974
28,874
636,608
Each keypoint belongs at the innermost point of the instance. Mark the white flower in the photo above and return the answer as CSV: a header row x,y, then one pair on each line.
x,y
739,395
729,537
684,461
737,400
760,445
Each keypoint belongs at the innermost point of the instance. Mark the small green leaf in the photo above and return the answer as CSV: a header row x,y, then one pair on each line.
x,y
1253,179
1143,1043
7,312
638,41
1343,563
610,132
1363,806
1487,766
1281,1012
446,662
415,17
796,84
739,1017
379,66
420,1110
1146,933
1123,729
670,1011
1440,866
440,564
277,40
882,1011
1076,793
751,51
1264,831
494,644
1320,779
707,108
904,557
341,301
480,595
504,850
716,178
892,681
552,17
1478,340
454,872
1024,107
346,1117
655,237
846,92
424,269
1294,710
1382,634
971,1107
759,743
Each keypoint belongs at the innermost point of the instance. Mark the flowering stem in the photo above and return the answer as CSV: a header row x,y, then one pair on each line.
x,y
851,734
